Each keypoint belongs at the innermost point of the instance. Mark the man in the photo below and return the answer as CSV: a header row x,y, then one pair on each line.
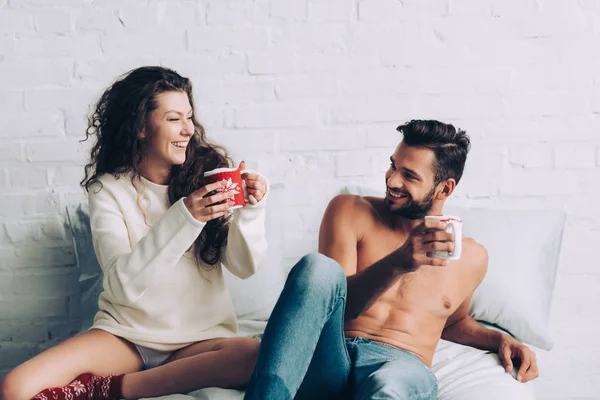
x,y
396,300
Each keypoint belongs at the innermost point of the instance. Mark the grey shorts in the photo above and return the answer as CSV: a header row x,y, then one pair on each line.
x,y
153,358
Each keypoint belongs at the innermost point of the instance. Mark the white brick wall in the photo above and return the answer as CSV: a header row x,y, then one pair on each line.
x,y
310,93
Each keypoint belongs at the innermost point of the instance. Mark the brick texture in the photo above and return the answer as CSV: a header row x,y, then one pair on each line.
x,y
310,93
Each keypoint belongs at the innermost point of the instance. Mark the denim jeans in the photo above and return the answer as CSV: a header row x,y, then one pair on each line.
x,y
304,354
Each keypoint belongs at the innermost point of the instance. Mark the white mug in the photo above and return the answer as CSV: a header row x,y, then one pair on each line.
x,y
453,225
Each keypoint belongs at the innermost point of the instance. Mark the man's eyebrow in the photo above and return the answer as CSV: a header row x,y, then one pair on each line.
x,y
410,171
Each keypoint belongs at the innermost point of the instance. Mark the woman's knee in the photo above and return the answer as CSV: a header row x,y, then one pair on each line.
x,y
14,387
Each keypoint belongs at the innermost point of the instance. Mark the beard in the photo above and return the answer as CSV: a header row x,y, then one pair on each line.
x,y
412,209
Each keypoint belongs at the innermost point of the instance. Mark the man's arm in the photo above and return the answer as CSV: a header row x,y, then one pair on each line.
x,y
463,329
339,237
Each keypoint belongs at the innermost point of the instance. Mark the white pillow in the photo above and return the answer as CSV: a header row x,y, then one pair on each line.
x,y
90,277
523,248
255,297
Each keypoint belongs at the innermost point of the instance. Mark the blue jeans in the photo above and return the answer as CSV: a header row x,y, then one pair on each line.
x,y
304,355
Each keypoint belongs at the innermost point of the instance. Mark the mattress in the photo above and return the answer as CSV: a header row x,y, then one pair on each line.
x,y
466,373
463,373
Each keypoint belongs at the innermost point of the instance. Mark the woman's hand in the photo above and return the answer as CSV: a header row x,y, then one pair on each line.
x,y
255,184
205,205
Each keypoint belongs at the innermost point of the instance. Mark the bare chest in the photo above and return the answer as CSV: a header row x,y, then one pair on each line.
x,y
433,290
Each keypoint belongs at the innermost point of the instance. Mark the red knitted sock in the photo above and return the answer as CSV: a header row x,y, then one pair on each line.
x,y
86,387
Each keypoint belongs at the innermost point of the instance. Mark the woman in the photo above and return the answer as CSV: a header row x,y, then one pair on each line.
x,y
166,323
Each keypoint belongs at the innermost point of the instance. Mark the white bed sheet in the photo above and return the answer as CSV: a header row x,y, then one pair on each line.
x,y
466,373
463,373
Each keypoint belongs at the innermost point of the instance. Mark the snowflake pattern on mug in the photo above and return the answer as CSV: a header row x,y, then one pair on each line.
x,y
231,187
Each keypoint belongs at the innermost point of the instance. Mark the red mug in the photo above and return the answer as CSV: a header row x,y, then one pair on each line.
x,y
235,184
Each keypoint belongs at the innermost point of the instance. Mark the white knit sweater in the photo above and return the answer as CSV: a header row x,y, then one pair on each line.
x,y
155,294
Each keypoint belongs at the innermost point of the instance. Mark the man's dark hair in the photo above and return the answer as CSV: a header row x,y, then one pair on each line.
x,y
449,145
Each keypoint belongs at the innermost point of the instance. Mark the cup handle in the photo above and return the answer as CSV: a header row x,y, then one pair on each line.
x,y
242,172
451,225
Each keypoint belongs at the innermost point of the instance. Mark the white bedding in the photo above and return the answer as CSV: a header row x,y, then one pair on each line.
x,y
463,373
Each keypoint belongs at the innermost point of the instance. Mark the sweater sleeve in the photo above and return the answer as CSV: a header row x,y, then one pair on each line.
x,y
128,272
246,242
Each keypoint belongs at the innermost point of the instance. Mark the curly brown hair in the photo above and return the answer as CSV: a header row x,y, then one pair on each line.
x,y
121,113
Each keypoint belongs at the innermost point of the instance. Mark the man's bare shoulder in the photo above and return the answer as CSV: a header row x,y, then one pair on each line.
x,y
476,257
351,203
352,207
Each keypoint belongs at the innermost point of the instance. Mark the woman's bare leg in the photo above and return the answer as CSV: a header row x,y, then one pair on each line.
x,y
226,363
95,351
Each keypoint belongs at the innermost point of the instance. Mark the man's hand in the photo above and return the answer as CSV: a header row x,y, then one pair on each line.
x,y
427,237
510,349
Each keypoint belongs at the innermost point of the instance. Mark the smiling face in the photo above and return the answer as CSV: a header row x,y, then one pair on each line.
x,y
168,131
410,181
